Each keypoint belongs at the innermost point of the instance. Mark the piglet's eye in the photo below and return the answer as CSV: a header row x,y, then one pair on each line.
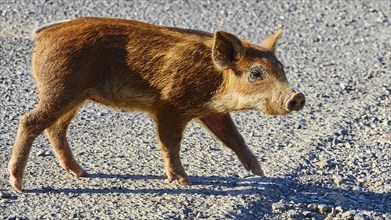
x,y
255,74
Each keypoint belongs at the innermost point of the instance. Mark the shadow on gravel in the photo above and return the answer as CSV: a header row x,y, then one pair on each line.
x,y
124,176
269,190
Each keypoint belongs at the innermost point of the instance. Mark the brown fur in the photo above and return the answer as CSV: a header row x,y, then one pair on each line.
x,y
174,74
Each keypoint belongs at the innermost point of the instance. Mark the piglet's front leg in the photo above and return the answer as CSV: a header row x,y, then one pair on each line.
x,y
170,127
222,126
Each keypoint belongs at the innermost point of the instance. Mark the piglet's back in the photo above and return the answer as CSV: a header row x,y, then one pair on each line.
x,y
175,64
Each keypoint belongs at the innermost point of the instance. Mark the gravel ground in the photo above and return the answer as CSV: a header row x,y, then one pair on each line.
x,y
333,159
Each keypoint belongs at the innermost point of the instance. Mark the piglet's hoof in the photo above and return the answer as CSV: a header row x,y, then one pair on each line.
x,y
74,169
253,166
78,173
16,184
256,170
184,182
181,180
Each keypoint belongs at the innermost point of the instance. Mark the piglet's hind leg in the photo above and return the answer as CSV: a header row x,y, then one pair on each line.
x,y
32,124
57,136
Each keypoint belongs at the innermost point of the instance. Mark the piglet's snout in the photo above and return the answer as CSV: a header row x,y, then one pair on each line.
x,y
295,102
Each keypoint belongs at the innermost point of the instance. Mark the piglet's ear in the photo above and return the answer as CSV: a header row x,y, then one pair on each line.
x,y
270,42
227,48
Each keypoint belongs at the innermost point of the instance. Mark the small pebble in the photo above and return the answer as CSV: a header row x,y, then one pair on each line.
x,y
358,216
292,213
278,206
332,213
337,179
43,153
338,209
307,214
324,209
313,207
11,217
347,214
322,163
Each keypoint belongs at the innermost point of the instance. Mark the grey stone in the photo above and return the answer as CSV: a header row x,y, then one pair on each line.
x,y
358,216
339,209
292,213
324,209
313,207
43,153
278,206
332,213
11,217
307,214
348,214
323,163
337,179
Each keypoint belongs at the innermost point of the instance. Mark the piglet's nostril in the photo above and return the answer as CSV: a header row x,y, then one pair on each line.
x,y
296,102
292,104
302,103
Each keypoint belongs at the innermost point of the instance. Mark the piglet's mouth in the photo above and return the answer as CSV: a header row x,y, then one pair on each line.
x,y
275,112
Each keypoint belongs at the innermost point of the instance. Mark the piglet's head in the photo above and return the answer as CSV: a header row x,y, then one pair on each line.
x,y
253,76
